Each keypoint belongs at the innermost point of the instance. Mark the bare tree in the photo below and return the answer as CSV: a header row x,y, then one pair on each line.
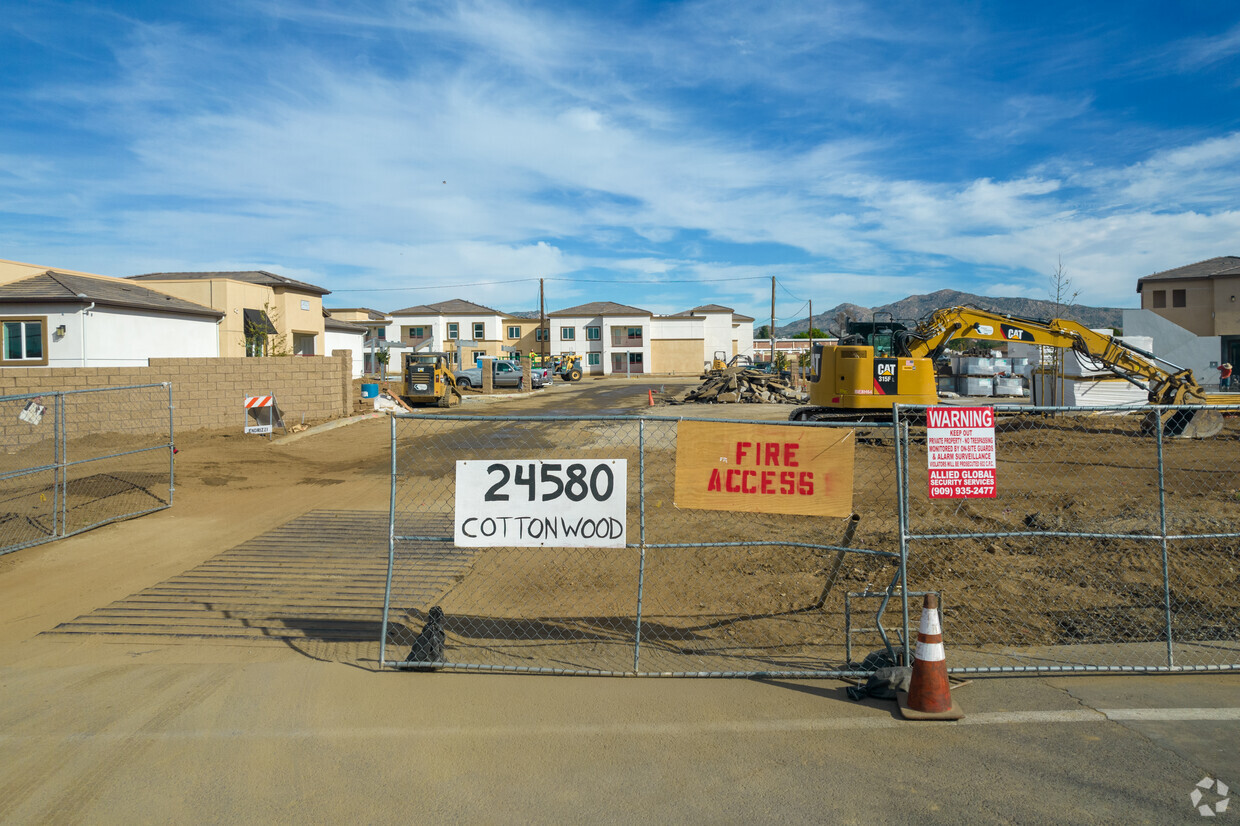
x,y
1061,291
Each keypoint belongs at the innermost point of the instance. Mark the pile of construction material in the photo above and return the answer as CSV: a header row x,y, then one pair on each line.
x,y
746,385
986,376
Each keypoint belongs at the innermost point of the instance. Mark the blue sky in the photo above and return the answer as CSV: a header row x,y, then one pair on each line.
x,y
660,154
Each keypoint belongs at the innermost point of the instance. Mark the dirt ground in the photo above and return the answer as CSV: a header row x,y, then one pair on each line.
x,y
189,573
215,661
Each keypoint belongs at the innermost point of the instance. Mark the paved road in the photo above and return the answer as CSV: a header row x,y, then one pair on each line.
x,y
182,730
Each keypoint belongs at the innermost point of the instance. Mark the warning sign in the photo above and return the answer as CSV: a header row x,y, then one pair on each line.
x,y
960,446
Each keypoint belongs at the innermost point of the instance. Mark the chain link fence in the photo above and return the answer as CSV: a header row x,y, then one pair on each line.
x,y
694,592
73,461
1109,544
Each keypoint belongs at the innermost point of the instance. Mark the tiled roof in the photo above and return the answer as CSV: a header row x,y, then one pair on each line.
x,y
704,309
374,315
1224,265
600,308
57,287
455,306
266,279
339,326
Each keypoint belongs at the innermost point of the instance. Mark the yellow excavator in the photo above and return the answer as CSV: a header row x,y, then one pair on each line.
x,y
878,364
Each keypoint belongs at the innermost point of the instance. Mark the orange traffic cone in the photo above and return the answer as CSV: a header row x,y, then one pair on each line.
x,y
650,395
929,696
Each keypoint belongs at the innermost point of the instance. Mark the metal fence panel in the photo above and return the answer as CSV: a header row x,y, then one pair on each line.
x,y
91,457
1108,545
695,592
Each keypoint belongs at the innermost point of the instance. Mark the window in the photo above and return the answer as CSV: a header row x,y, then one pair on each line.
x,y
635,358
594,359
1160,299
540,335
594,333
479,331
303,344
454,330
1178,299
23,341
383,333
415,333
568,333
634,333
305,305
514,332
257,328
516,354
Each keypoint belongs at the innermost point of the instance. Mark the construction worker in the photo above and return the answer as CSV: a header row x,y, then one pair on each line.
x,y
1224,376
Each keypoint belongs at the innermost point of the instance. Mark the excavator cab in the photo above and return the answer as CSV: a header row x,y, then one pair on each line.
x,y
870,369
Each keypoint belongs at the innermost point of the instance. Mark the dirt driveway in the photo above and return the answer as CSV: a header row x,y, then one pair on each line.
x,y
163,727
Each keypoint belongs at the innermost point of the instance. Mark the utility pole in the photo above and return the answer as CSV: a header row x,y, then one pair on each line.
x,y
811,336
772,322
542,320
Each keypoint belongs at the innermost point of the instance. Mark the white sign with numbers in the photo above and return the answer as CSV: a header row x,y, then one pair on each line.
x,y
541,503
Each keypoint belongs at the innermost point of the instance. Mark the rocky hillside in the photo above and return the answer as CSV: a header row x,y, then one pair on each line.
x,y
917,306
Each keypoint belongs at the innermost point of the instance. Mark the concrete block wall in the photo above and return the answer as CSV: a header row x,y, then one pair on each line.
x,y
209,393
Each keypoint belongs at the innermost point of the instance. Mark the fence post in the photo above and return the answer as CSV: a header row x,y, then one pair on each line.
x,y
641,536
900,434
58,472
387,589
1162,530
172,445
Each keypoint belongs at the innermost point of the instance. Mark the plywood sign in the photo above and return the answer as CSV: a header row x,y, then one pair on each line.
x,y
764,468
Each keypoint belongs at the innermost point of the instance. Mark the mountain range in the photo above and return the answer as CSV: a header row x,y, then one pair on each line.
x,y
917,306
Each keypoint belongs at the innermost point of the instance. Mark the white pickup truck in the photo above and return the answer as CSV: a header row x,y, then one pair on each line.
x,y
504,373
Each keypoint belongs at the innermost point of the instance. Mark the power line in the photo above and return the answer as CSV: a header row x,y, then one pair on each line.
x,y
437,286
616,281
785,289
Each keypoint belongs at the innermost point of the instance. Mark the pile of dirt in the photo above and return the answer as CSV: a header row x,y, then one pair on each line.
x,y
741,384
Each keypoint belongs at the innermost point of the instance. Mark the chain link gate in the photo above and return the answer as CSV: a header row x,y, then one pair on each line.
x,y
1109,546
75,460
702,593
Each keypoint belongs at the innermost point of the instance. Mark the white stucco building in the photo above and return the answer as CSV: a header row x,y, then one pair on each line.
x,y
58,319
344,335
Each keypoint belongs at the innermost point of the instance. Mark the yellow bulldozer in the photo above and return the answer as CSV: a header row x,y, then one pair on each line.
x,y
878,364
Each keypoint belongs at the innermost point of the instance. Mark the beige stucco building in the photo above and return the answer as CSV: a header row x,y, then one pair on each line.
x,y
1203,298
264,313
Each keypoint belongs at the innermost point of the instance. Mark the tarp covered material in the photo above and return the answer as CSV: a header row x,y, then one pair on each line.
x,y
1087,392
257,322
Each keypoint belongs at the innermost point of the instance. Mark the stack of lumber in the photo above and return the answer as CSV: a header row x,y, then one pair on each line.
x,y
741,384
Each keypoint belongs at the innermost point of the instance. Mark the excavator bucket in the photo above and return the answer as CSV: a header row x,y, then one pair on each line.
x,y
1186,424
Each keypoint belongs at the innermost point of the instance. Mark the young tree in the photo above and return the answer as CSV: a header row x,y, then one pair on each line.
x,y
259,340
1061,292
